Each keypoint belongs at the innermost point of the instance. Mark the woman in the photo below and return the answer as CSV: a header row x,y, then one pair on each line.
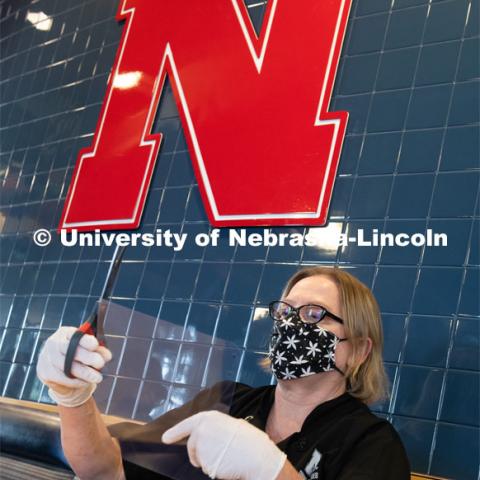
x,y
325,351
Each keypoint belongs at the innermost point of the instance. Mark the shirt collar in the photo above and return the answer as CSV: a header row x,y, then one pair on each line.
x,y
343,405
325,412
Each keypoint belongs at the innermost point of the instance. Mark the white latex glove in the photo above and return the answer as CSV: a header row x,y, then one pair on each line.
x,y
228,448
89,358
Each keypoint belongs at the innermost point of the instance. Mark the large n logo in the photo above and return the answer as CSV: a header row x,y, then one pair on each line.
x,y
264,147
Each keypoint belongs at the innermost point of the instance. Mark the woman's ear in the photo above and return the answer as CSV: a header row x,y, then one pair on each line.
x,y
363,351
365,348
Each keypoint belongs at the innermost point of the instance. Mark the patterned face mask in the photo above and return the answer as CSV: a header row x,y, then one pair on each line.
x,y
298,349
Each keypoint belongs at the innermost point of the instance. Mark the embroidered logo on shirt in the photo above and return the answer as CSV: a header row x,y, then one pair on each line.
x,y
310,472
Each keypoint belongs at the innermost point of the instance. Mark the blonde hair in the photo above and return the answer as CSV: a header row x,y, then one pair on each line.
x,y
366,380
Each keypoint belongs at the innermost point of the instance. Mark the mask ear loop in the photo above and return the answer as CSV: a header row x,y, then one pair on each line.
x,y
275,333
273,346
334,366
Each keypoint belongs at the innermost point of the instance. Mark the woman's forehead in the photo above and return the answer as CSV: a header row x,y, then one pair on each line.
x,y
317,289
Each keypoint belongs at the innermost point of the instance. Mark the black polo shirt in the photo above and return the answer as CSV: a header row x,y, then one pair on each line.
x,y
339,440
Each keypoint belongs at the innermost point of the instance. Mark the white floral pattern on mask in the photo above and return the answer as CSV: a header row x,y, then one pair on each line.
x,y
298,350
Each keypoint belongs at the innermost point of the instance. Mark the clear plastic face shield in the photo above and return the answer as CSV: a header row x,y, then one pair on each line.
x,y
178,361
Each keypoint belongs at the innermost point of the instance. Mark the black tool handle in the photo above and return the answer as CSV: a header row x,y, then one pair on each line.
x,y
71,350
87,328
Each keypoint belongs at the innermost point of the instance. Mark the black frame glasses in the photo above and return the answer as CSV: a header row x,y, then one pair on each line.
x,y
297,311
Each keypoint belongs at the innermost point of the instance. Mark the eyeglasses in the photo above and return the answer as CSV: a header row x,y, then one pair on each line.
x,y
281,311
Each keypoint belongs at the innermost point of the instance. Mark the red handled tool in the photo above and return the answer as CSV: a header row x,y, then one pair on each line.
x,y
94,323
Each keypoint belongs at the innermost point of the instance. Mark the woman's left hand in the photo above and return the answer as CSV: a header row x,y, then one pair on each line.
x,y
228,448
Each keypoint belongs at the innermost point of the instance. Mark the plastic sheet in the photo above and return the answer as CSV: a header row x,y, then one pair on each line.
x,y
141,444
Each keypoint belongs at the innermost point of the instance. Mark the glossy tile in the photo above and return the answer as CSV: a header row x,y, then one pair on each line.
x,y
202,319
273,278
194,210
260,330
191,364
466,97
179,395
128,280
446,21
182,280
252,373
350,154
359,73
465,352
33,387
469,61
162,360
152,401
341,197
470,300
461,148
434,352
370,197
153,280
144,318
171,320
367,34
134,357
16,380
472,28
409,254
379,153
357,107
429,107
394,288
115,345
406,27
122,403
286,253
455,252
353,253
465,186
393,336
411,196
26,346
211,281
418,392
232,325
224,252
388,111
456,452
460,403
223,364
173,204
441,287
417,436
437,63
243,283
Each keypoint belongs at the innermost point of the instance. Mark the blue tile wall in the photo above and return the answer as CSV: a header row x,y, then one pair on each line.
x,y
408,75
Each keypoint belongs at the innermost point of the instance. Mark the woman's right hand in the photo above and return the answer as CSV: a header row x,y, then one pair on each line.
x,y
89,358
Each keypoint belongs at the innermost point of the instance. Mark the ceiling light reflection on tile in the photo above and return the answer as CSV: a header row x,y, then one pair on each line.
x,y
40,20
326,238
260,313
